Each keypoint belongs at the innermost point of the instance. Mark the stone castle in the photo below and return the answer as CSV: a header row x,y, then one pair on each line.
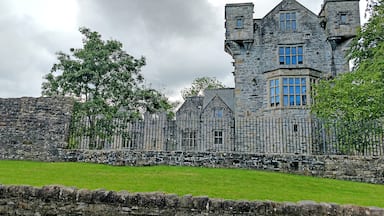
x,y
277,59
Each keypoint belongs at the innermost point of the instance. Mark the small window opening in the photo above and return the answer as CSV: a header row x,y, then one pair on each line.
x,y
295,129
239,22
343,18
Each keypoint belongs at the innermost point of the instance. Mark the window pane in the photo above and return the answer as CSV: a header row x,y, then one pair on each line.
x,y
293,16
293,49
294,60
297,81
292,100
271,83
272,92
281,60
291,81
291,90
239,23
304,99
300,59
287,51
304,90
303,81
277,91
288,60
288,16
298,90
282,25
277,83
285,90
272,101
281,51
285,81
282,17
293,25
298,103
285,100
300,50
277,101
288,25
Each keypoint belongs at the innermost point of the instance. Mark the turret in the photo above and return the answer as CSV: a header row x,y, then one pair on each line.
x,y
239,27
340,18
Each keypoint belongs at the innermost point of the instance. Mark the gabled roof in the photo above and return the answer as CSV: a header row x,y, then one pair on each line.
x,y
225,94
214,99
281,5
195,103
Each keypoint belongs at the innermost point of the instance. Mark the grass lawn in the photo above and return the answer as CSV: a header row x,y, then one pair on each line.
x,y
234,184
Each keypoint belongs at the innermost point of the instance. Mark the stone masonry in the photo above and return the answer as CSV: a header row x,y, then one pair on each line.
x,y
58,200
35,128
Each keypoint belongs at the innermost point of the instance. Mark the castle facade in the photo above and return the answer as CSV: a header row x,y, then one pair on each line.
x,y
276,60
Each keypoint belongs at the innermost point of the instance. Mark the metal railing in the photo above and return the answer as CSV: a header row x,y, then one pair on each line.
x,y
259,135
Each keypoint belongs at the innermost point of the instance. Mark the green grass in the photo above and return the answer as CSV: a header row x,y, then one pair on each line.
x,y
235,184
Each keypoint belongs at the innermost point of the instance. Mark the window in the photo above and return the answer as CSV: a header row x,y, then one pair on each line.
x,y
291,55
289,91
343,18
239,22
218,112
218,137
274,92
189,139
294,91
288,21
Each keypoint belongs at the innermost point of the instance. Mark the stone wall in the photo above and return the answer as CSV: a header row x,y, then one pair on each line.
x,y
360,169
33,128
57,200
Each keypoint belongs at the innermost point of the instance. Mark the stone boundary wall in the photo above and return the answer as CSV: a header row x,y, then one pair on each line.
x,y
34,128
360,169
58,200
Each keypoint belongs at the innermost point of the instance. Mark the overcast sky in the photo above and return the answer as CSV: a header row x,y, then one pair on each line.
x,y
181,39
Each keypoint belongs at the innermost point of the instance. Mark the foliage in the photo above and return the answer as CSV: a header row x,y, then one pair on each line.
x,y
234,184
105,80
370,36
199,85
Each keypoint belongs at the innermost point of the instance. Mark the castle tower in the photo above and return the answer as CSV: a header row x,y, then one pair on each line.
x,y
340,20
239,27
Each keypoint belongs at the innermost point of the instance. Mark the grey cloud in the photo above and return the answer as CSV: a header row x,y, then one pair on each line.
x,y
182,40
27,55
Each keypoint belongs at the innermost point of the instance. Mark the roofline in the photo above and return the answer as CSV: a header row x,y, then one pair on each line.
x,y
239,4
326,1
313,13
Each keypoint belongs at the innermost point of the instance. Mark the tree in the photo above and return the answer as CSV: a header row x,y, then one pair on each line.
x,y
199,85
357,95
354,100
106,81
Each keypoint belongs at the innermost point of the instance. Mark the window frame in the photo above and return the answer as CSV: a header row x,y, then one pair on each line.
x,y
218,112
239,22
343,18
291,55
288,21
189,138
218,137
291,91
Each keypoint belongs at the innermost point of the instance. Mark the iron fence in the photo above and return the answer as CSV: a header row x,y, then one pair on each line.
x,y
257,135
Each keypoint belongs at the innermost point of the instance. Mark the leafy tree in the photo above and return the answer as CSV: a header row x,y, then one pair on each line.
x,y
358,96
199,85
106,81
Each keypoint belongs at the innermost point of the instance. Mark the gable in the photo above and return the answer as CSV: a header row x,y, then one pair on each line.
x,y
225,94
191,104
214,103
306,20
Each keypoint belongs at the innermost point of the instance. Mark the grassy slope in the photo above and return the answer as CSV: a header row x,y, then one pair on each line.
x,y
215,183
